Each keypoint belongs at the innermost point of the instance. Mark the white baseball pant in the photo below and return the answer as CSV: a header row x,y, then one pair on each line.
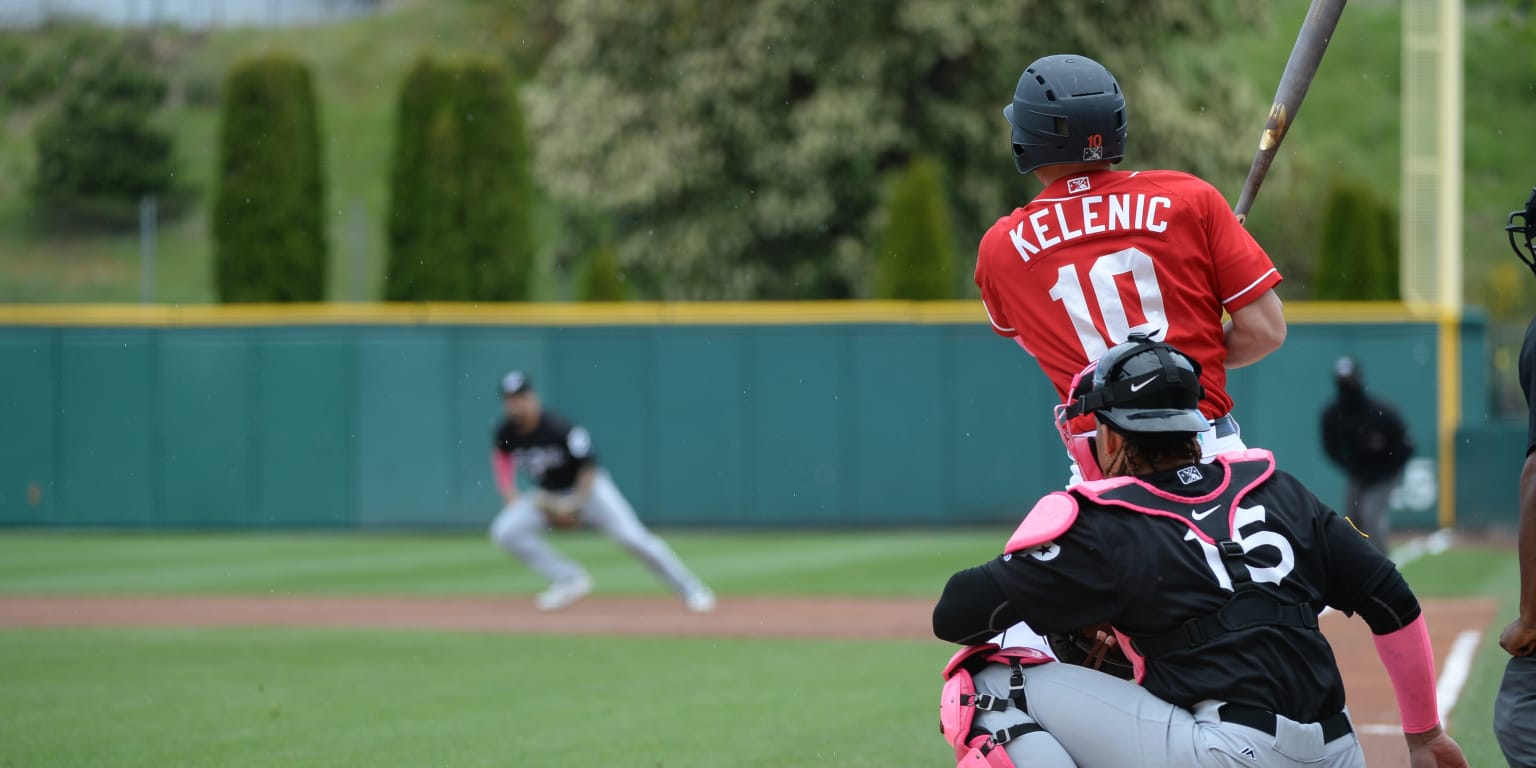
x,y
519,529
1094,720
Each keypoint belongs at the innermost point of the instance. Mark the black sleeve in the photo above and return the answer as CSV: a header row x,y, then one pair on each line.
x,y
1068,584
499,441
972,608
1527,363
1361,579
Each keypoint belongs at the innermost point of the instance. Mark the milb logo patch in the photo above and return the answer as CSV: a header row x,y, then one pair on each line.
x,y
1190,475
1079,184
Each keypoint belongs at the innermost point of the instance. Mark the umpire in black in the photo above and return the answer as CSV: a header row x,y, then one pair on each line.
x,y
1514,711
1368,440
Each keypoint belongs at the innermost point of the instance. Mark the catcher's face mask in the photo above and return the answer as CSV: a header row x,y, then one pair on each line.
x,y
1078,432
1525,229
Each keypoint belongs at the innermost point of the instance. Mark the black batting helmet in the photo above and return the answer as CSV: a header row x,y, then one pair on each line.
x,y
1066,109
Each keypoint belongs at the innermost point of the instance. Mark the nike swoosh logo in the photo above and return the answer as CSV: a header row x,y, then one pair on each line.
x,y
1205,514
1137,387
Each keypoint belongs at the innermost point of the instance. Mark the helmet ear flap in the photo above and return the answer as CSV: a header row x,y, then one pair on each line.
x,y
1081,445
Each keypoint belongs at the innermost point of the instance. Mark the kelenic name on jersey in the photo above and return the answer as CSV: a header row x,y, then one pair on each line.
x,y
1092,215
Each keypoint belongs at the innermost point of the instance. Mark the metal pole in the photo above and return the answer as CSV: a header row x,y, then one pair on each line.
x,y
357,267
147,226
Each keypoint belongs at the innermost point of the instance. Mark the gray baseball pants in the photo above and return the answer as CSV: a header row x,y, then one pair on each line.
x,y
1094,720
519,530
1368,506
1514,712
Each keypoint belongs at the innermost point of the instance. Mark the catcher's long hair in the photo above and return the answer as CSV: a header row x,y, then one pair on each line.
x,y
1148,452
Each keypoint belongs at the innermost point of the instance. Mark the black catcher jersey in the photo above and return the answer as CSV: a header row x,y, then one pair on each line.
x,y
552,452
1148,575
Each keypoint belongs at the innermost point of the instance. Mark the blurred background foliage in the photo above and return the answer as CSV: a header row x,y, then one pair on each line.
x,y
686,149
268,215
740,149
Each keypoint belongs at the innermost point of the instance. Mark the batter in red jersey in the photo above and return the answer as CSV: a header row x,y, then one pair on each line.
x,y
1102,254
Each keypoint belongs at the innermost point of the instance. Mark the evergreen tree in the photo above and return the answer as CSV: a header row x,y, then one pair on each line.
x,y
1357,259
497,190
268,218
426,255
99,151
600,279
1389,270
460,192
916,256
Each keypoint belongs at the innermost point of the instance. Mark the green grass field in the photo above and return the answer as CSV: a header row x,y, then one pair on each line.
x,y
393,698
911,563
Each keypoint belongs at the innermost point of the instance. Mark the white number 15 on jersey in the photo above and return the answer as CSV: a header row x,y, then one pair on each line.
x,y
1106,292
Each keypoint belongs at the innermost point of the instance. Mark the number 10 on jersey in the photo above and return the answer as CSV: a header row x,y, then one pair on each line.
x,y
1106,293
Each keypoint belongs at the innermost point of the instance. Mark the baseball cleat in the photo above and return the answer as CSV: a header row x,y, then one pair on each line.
x,y
562,593
700,600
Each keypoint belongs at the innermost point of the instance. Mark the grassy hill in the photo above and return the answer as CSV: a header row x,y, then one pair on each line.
x,y
358,65
1348,127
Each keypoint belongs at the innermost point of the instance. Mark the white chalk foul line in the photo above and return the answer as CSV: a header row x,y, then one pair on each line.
x,y
1458,667
1453,677
1433,544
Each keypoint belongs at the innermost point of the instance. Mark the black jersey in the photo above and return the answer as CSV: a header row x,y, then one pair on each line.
x,y
1527,364
1148,575
552,452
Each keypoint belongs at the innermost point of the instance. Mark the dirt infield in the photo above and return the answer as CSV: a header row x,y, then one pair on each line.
x,y
1370,694
831,618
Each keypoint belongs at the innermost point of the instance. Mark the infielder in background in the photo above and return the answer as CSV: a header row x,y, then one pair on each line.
x,y
1101,254
573,490
1514,711
1213,574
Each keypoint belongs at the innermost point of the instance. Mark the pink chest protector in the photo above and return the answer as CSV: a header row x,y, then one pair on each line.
x,y
1055,514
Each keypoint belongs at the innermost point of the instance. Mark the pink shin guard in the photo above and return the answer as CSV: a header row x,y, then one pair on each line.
x,y
974,747
1410,663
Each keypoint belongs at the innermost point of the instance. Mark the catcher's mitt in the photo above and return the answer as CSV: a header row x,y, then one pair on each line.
x,y
558,511
1093,647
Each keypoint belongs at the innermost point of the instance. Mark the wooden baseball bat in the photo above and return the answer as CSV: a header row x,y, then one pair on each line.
x,y
1311,42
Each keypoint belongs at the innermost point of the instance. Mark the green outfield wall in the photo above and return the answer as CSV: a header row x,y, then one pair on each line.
x,y
292,420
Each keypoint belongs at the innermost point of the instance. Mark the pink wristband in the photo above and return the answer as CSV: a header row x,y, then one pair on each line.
x,y
1410,663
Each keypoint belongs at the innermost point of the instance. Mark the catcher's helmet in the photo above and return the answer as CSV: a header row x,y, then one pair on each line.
x,y
1066,109
1144,386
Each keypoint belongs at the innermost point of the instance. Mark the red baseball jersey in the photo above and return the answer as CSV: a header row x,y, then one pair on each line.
x,y
1101,255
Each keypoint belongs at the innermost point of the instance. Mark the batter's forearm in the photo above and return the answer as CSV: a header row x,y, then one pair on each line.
x,y
1527,542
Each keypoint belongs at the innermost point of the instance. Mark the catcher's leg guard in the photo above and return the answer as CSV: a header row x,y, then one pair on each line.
x,y
976,747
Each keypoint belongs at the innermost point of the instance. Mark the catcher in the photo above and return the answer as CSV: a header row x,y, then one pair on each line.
x,y
1212,576
573,490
